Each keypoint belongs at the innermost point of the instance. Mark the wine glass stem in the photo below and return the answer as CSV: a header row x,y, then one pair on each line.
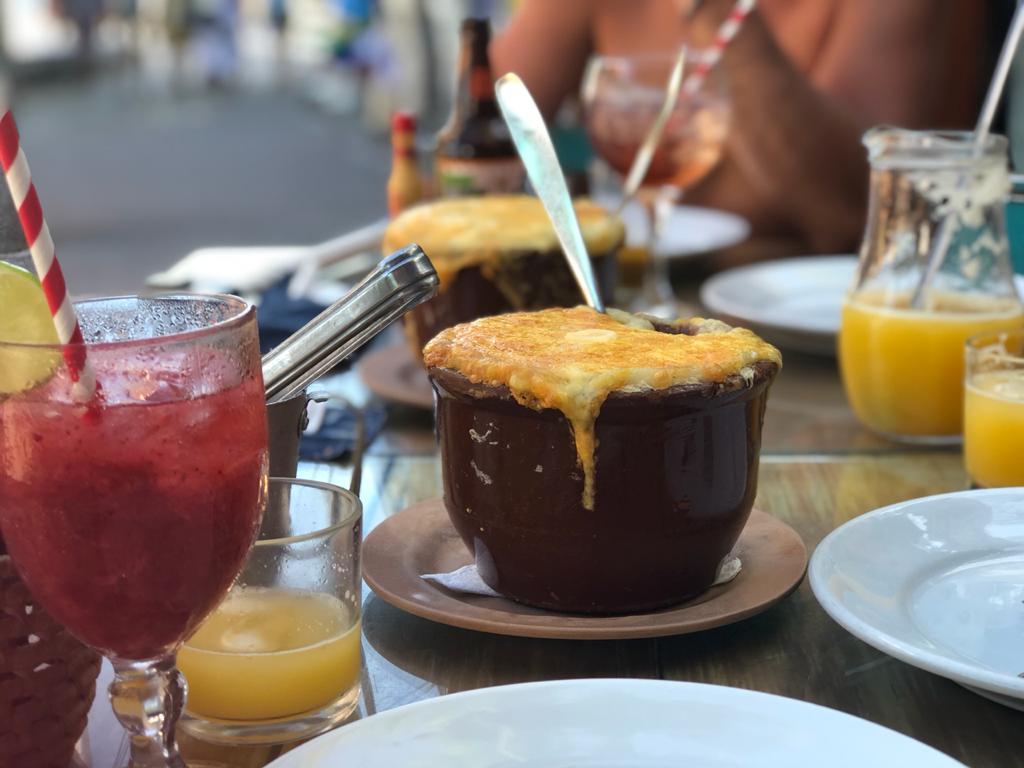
x,y
657,287
147,697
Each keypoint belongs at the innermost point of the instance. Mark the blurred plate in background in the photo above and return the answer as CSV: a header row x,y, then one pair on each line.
x,y
794,303
689,231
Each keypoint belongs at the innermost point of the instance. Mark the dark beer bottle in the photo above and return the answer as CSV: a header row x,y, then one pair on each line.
x,y
475,154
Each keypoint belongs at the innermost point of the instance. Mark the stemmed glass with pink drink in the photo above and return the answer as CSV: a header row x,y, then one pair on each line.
x,y
622,96
129,516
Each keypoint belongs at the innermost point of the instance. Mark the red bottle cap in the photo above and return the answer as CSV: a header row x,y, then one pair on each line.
x,y
404,122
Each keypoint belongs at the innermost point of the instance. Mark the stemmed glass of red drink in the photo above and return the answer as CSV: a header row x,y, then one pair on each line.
x,y
130,515
622,96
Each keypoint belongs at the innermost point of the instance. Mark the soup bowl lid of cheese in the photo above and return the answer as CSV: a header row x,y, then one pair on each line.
x,y
461,232
575,360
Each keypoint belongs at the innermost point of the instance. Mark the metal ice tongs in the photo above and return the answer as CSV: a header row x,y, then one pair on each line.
x,y
400,282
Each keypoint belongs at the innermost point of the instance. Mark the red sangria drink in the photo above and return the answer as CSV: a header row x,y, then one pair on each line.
x,y
690,147
130,513
622,97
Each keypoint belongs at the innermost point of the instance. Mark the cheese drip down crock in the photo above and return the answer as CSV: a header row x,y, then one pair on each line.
x,y
572,360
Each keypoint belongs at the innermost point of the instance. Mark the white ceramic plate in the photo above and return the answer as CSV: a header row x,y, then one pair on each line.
x,y
606,723
689,231
795,303
937,582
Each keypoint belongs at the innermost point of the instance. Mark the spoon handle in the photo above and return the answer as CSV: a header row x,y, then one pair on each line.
x,y
531,138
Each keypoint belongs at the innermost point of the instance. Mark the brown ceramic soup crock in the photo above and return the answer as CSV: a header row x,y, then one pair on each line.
x,y
675,474
499,254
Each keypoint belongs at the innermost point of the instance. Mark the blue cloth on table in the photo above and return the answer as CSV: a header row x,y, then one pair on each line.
x,y
279,316
336,437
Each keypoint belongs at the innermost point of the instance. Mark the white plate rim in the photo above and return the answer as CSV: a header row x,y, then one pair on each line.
x,y
711,297
739,223
621,686
958,671
727,219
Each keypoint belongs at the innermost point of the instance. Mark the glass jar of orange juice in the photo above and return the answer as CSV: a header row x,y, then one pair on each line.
x,y
901,343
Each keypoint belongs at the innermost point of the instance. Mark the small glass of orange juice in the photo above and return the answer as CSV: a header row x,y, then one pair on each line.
x,y
280,658
994,409
902,334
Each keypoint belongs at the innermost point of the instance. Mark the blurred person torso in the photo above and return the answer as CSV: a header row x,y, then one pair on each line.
x,y
915,63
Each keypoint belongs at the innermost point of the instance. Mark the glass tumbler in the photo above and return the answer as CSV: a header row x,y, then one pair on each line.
x,y
280,658
994,409
934,270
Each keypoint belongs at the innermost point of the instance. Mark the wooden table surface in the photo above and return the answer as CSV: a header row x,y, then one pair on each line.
x,y
818,470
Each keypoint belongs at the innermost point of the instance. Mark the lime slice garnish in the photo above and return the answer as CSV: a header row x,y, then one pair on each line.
x,y
24,318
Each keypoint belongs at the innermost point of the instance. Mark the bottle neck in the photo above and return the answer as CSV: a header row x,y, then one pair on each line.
x,y
476,82
403,145
481,83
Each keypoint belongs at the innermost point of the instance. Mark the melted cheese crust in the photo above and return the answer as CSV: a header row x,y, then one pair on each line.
x,y
465,231
572,359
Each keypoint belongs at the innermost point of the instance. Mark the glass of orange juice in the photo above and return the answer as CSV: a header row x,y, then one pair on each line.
x,y
994,409
902,336
280,658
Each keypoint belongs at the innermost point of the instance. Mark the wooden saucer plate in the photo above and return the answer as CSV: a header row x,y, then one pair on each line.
x,y
420,539
392,374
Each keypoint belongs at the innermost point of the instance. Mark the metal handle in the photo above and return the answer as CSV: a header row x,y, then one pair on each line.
x,y
530,135
400,282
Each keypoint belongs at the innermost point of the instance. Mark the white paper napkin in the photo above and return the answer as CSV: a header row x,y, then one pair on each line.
x,y
467,579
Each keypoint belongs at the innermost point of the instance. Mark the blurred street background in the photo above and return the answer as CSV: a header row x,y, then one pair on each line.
x,y
154,127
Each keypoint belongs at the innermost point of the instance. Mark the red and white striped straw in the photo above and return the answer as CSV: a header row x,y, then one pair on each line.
x,y
726,32
44,257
